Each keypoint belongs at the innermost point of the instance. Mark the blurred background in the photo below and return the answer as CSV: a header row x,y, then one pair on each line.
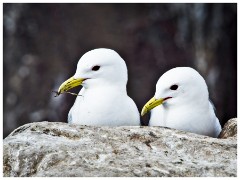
x,y
42,44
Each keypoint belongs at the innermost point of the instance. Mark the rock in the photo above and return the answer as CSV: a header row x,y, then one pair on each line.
x,y
229,129
59,149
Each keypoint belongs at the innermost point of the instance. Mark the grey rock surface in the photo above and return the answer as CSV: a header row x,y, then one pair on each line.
x,y
59,149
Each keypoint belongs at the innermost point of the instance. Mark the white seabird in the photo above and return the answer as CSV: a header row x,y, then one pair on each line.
x,y
183,95
103,100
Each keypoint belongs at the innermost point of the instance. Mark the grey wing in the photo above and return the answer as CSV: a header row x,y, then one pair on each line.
x,y
218,127
214,108
70,116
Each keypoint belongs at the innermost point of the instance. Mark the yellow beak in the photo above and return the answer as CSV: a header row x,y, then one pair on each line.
x,y
152,103
69,84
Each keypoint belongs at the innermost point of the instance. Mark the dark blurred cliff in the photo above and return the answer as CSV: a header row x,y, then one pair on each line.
x,y
42,44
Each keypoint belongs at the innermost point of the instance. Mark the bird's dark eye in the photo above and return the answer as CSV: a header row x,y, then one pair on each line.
x,y
95,68
174,87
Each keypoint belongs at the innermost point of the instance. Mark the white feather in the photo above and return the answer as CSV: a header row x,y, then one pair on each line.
x,y
104,100
189,108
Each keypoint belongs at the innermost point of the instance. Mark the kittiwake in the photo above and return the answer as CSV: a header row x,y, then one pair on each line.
x,y
103,99
183,95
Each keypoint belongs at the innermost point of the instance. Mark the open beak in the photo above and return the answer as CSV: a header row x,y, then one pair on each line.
x,y
152,103
69,84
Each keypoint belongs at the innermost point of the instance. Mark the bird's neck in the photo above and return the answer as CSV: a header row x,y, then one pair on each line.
x,y
116,88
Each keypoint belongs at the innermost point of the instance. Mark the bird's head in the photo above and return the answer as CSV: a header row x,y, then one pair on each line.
x,y
98,67
178,87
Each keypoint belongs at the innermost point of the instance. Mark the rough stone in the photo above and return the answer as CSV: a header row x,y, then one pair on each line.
x,y
229,129
58,149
